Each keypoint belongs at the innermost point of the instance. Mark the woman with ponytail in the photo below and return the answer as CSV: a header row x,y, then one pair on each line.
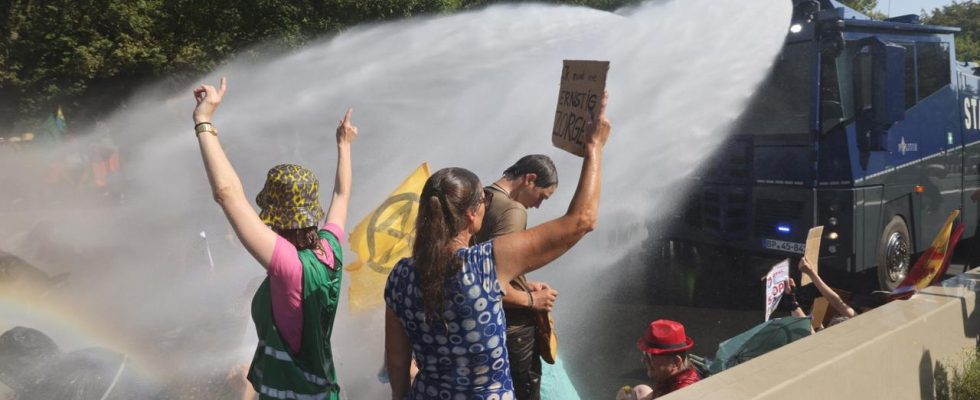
x,y
444,305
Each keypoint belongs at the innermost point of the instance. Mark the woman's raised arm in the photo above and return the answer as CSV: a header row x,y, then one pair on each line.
x,y
225,184
346,133
522,252
832,297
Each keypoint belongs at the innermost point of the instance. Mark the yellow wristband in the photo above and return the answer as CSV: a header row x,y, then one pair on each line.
x,y
205,127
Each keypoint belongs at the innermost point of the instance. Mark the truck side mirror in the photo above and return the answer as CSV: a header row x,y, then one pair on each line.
x,y
879,89
889,86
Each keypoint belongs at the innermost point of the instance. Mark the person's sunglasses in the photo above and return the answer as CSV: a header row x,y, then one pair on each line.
x,y
648,358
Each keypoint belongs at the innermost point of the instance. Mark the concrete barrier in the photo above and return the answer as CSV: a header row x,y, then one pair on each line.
x,y
892,352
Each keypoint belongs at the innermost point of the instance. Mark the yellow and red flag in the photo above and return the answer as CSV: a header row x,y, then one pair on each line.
x,y
932,264
382,238
957,232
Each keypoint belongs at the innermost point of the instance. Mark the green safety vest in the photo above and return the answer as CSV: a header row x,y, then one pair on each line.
x,y
276,373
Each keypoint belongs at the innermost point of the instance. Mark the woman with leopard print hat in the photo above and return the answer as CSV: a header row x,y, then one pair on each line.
x,y
294,308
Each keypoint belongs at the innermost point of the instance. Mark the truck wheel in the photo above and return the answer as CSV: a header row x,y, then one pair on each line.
x,y
894,254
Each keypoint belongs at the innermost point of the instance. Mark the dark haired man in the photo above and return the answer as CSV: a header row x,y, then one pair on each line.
x,y
526,184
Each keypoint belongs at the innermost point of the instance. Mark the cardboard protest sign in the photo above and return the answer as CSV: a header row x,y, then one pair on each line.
x,y
818,312
812,252
776,281
582,86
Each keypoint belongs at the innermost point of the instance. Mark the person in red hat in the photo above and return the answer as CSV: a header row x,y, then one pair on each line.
x,y
664,348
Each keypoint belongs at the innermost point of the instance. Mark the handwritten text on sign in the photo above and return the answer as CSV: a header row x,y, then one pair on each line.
x,y
776,281
582,85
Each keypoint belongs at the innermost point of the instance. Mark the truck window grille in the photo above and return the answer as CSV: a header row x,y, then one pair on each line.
x,y
768,213
725,212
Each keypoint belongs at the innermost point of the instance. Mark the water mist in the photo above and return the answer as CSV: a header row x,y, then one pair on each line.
x,y
476,89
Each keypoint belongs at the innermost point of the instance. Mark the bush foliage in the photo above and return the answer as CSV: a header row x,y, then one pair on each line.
x,y
965,384
85,55
965,15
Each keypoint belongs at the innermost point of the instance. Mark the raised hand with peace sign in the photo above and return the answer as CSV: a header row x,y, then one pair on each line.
x,y
208,98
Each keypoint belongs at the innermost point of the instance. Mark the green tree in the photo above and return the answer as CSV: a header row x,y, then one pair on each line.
x,y
866,7
607,5
88,55
966,16
54,49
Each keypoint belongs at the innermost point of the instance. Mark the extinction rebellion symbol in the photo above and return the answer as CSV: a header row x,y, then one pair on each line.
x,y
396,224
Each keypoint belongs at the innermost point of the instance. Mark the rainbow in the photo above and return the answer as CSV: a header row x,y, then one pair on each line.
x,y
71,328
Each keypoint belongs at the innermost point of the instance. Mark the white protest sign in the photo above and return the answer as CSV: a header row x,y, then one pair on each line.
x,y
582,86
776,281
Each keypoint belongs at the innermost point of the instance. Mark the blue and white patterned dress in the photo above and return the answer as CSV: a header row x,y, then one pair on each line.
x,y
464,355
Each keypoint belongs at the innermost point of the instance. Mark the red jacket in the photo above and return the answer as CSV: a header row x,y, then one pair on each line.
x,y
679,380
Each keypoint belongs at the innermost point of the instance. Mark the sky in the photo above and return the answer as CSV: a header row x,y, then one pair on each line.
x,y
902,7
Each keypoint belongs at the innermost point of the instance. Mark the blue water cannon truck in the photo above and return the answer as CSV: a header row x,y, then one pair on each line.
x,y
869,128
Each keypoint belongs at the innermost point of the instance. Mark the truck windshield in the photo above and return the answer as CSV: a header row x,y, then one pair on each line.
x,y
781,105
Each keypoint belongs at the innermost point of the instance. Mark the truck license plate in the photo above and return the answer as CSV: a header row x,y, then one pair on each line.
x,y
791,247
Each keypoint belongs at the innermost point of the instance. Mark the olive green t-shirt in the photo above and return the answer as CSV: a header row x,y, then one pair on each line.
x,y
505,215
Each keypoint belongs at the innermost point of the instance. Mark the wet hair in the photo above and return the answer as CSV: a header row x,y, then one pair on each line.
x,y
303,238
446,197
538,164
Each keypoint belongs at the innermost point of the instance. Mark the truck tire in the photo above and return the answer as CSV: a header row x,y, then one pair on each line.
x,y
894,254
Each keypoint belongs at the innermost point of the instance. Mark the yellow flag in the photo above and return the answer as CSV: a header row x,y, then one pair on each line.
x,y
932,261
382,238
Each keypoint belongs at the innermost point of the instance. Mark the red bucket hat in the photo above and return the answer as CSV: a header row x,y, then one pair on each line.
x,y
664,337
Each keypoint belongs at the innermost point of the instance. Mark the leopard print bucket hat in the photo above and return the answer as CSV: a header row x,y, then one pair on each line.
x,y
290,198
